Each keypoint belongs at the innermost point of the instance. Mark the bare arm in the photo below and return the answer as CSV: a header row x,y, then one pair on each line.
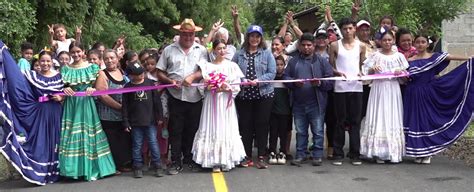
x,y
236,22
296,29
355,9
164,78
101,84
52,43
456,58
362,56
213,31
78,34
283,28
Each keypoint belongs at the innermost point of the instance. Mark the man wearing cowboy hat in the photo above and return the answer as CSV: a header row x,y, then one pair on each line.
x,y
177,61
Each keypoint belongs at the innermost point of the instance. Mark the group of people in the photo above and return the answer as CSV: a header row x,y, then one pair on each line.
x,y
220,101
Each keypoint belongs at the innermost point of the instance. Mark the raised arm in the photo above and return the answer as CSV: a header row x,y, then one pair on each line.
x,y
212,32
355,9
236,22
78,34
52,43
296,29
283,28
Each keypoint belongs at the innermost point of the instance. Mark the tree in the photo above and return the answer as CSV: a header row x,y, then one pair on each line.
x,y
17,20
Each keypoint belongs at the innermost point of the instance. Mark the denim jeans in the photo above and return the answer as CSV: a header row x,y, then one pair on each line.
x,y
138,134
309,116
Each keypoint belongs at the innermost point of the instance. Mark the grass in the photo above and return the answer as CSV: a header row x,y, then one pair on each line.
x,y
470,131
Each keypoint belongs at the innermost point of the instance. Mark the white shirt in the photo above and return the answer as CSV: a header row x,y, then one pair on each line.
x,y
348,62
178,65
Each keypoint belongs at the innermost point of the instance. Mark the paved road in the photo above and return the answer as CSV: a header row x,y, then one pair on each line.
x,y
442,175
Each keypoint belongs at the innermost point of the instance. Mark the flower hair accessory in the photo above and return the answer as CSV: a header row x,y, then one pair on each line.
x,y
429,40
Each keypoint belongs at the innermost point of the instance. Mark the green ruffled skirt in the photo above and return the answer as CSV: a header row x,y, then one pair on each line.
x,y
83,150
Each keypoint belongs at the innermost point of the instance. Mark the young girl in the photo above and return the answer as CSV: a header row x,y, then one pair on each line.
x,y
382,135
95,57
33,134
150,66
437,110
58,40
83,150
217,143
64,59
280,118
404,41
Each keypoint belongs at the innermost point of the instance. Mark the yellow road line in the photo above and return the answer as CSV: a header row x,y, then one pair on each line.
x,y
219,182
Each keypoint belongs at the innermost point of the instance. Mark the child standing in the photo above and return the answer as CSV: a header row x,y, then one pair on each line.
x,y
58,40
26,56
141,112
162,135
217,143
280,117
382,136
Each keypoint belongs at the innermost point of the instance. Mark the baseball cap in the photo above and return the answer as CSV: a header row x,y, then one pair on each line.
x,y
362,22
255,28
321,33
135,69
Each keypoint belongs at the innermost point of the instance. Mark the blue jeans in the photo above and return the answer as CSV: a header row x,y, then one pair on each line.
x,y
138,133
305,116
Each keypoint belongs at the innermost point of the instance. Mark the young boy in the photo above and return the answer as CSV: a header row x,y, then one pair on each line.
x,y
26,56
280,118
141,112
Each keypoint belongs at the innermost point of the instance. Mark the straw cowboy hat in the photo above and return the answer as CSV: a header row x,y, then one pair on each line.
x,y
187,26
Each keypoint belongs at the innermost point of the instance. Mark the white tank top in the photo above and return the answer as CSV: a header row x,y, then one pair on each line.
x,y
63,46
347,61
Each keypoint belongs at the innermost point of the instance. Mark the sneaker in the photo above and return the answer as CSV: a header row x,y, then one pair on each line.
x,y
194,167
298,161
246,163
337,160
159,172
426,160
216,169
379,161
418,160
174,169
261,164
272,159
356,161
137,173
317,162
281,158
223,169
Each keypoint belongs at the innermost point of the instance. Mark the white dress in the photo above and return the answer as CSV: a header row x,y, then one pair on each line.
x,y
382,134
217,141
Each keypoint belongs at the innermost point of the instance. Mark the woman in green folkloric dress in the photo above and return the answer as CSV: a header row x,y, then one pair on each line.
x,y
83,149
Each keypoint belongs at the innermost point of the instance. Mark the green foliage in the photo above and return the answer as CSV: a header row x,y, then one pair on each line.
x,y
148,23
22,15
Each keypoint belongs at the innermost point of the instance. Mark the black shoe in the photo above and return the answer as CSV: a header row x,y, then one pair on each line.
x,y
137,173
298,161
317,162
174,169
194,167
356,161
159,172
337,160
